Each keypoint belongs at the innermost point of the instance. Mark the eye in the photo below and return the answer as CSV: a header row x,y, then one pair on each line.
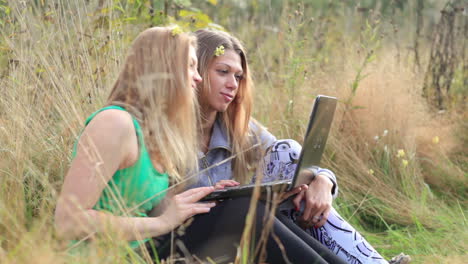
x,y
222,71
239,78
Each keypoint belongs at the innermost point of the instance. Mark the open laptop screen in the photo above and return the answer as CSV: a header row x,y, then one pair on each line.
x,y
315,138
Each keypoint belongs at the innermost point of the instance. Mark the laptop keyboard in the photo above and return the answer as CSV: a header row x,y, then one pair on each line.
x,y
251,185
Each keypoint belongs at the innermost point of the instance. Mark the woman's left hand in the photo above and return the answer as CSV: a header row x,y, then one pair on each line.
x,y
318,202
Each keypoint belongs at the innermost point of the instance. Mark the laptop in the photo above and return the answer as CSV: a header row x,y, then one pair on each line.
x,y
316,135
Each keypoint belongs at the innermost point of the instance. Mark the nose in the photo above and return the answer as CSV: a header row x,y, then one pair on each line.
x,y
232,83
197,78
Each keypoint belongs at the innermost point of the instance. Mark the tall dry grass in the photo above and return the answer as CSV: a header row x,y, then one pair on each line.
x,y
385,114
62,66
59,72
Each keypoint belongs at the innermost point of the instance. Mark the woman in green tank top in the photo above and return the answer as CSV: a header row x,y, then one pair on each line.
x,y
129,149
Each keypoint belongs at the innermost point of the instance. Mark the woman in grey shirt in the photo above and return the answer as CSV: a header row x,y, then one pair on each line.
x,y
232,139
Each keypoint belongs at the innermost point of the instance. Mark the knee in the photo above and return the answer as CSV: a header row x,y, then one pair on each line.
x,y
280,160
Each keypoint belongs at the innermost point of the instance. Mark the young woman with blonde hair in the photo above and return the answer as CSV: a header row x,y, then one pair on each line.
x,y
129,151
232,139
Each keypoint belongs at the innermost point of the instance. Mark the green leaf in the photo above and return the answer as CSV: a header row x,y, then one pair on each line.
x,y
128,19
118,7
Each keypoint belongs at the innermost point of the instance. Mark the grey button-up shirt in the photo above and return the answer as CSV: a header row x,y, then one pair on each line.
x,y
215,165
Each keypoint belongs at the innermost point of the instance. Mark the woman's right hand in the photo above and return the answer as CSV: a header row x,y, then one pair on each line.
x,y
185,205
225,183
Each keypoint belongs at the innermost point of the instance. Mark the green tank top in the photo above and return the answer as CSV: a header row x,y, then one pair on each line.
x,y
135,190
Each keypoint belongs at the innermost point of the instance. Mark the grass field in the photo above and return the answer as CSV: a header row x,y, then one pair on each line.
x,y
401,164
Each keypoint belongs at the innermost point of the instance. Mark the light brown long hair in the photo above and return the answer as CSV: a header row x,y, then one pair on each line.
x,y
237,116
154,87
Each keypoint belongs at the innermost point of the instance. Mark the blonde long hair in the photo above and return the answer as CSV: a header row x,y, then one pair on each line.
x,y
154,87
237,116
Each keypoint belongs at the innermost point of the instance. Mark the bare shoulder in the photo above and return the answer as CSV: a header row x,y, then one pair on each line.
x,y
111,131
113,123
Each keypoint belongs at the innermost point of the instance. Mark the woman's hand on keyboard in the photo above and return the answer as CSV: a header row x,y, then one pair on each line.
x,y
225,183
185,205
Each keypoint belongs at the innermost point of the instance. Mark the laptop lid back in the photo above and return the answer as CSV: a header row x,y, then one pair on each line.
x,y
315,138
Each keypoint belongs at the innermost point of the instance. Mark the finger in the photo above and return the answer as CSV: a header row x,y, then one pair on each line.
x,y
294,191
324,219
195,197
297,200
315,206
225,183
196,194
231,182
204,205
219,186
316,218
209,204
228,183
307,212
191,191
198,210
315,212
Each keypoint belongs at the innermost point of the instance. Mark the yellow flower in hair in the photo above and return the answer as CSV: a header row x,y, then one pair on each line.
x,y
401,153
219,51
370,171
176,31
435,140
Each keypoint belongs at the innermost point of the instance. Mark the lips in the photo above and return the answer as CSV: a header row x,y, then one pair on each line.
x,y
227,97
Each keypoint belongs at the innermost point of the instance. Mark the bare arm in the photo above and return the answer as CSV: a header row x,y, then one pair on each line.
x,y
107,144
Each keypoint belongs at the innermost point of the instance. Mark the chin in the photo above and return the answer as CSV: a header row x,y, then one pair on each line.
x,y
222,108
225,108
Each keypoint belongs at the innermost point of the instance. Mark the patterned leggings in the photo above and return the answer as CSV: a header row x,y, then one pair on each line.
x,y
342,239
339,236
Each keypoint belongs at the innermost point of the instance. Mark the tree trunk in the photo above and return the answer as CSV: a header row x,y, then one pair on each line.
x,y
442,62
419,26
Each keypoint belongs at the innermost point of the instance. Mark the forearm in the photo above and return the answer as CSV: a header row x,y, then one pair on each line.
x,y
330,176
81,225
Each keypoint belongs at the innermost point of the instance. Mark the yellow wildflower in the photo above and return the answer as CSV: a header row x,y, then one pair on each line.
x,y
219,51
435,140
401,153
176,31
405,163
370,171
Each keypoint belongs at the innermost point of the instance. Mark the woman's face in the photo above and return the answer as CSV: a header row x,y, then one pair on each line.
x,y
225,73
194,76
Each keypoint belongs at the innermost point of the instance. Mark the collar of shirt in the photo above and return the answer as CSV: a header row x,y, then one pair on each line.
x,y
219,136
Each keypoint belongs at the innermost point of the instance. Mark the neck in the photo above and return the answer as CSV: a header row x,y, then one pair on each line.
x,y
208,119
